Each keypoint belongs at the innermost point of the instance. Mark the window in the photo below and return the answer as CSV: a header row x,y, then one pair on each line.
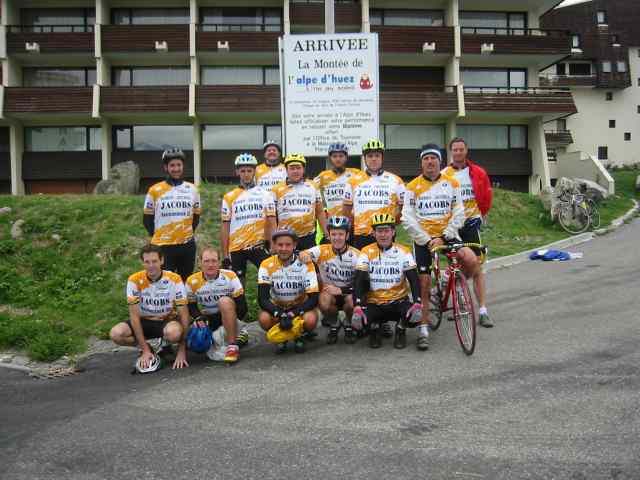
x,y
561,125
627,136
494,137
499,23
232,137
606,66
603,153
412,136
407,18
615,40
58,77
150,16
580,69
612,124
153,137
575,41
490,78
61,139
561,69
146,76
241,19
601,17
638,108
608,96
57,19
621,66
240,76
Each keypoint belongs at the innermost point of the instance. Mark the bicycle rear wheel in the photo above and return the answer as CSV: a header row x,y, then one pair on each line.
x,y
435,301
594,214
573,220
464,314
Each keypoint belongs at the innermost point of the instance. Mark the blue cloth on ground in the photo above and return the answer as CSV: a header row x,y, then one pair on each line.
x,y
553,255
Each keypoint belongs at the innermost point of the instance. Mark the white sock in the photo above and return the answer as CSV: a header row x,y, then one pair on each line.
x,y
423,331
483,310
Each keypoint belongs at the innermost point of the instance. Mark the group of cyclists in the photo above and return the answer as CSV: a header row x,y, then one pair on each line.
x,y
357,278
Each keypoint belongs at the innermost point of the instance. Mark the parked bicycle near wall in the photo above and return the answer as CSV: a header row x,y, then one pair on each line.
x,y
576,212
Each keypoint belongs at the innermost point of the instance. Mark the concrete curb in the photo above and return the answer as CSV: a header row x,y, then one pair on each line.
x,y
517,258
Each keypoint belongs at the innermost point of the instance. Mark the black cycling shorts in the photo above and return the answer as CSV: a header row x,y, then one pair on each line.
x,y
361,241
470,233
180,258
150,328
423,258
389,312
240,258
214,320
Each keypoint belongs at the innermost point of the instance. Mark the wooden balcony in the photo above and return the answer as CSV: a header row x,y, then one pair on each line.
x,y
306,14
520,41
412,39
554,81
430,101
238,98
61,165
348,15
55,100
558,138
161,99
519,100
208,37
143,38
50,39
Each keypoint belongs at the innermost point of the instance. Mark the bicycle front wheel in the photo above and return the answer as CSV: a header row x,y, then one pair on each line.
x,y
594,215
573,219
464,314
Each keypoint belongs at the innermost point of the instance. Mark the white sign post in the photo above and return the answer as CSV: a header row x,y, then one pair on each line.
x,y
329,91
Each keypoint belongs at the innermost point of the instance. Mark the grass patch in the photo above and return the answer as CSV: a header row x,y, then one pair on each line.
x,y
75,286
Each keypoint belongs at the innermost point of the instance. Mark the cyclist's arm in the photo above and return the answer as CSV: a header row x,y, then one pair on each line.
x,y
414,284
412,226
309,304
241,306
264,299
269,228
195,222
224,238
322,219
194,311
148,220
136,326
360,287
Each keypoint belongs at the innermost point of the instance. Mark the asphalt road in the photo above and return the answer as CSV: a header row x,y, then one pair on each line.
x,y
553,392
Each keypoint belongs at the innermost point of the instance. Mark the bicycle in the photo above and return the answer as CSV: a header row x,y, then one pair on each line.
x,y
456,289
574,212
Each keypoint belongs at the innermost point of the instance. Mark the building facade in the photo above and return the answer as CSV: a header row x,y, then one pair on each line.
x,y
90,83
603,73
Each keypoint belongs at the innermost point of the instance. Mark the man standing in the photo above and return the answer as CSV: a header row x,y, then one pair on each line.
x,y
248,218
477,196
298,203
272,171
157,310
374,192
172,213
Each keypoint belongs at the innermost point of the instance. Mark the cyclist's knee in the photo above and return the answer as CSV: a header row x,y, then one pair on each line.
x,y
310,320
173,332
227,305
120,333
265,320
326,301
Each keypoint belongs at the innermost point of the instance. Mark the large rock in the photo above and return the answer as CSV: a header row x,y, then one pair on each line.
x,y
592,189
546,196
124,179
16,229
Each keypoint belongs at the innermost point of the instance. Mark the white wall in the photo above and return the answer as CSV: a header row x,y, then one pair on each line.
x,y
590,126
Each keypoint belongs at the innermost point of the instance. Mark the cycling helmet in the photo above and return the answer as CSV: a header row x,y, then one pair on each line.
x,y
246,160
383,219
284,232
199,339
295,158
172,154
337,148
337,222
154,365
271,143
373,145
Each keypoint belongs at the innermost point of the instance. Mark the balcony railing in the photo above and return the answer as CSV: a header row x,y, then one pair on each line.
x,y
535,32
568,80
238,98
516,41
50,28
413,39
432,100
143,38
58,100
514,90
238,27
504,99
558,138
150,99
238,41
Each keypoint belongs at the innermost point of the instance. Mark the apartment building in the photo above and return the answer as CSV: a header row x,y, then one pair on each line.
x,y
90,83
603,74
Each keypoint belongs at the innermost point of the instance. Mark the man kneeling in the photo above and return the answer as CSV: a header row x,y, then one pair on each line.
x,y
216,298
287,288
156,299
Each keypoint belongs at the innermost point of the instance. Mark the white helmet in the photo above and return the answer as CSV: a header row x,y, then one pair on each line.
x,y
154,365
246,160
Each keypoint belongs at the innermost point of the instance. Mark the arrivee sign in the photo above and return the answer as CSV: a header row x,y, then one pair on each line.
x,y
329,91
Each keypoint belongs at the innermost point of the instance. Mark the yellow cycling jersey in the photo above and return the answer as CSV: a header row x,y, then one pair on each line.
x,y
332,185
246,210
471,209
173,208
296,206
157,300
386,268
432,206
335,269
290,284
207,292
369,195
268,177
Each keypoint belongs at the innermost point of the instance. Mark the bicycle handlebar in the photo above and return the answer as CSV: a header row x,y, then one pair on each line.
x,y
457,246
